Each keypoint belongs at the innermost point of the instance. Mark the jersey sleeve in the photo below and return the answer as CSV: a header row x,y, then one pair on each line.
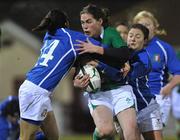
x,y
95,42
140,65
113,73
122,54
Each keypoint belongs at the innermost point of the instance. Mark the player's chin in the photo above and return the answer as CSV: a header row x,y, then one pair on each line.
x,y
88,33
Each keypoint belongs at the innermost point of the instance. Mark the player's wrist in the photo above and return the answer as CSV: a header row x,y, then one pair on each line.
x,y
100,50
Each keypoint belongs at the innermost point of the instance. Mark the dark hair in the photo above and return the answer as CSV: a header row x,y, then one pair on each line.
x,y
124,23
106,16
12,108
142,28
97,13
54,19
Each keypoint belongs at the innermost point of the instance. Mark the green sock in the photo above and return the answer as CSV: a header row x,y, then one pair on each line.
x,y
97,137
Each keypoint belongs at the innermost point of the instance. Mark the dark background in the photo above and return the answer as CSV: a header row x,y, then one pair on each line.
x,y
29,13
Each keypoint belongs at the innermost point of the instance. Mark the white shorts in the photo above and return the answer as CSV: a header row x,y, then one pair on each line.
x,y
149,118
176,103
117,99
165,106
34,101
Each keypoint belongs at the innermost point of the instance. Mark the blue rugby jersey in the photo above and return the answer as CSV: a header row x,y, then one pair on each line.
x,y
137,77
164,60
112,73
56,59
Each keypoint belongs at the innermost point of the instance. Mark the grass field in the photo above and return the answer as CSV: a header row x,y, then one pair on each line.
x,y
89,137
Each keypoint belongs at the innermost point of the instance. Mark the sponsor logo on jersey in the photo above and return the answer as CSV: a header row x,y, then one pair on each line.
x,y
156,58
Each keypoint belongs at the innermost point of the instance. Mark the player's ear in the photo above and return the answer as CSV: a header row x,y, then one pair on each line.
x,y
145,42
67,24
100,21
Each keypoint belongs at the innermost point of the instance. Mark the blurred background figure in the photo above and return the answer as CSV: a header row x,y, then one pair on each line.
x,y
9,113
122,28
9,117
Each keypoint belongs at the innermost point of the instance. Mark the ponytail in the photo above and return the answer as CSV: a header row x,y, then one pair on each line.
x,y
52,21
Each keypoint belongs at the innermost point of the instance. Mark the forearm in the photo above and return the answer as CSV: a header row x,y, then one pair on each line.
x,y
122,53
99,50
174,81
112,73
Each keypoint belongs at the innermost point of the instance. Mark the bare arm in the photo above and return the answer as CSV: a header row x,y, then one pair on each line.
x,y
122,53
166,90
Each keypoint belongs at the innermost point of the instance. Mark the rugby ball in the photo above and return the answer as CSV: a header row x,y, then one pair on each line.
x,y
95,79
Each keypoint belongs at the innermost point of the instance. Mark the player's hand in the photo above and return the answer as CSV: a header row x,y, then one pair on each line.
x,y
126,69
81,81
93,63
86,47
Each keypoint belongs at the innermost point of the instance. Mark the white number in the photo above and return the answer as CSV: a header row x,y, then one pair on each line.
x,y
48,56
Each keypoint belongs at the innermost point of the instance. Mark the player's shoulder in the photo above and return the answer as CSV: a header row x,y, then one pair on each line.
x,y
73,32
110,34
76,35
141,53
111,30
161,43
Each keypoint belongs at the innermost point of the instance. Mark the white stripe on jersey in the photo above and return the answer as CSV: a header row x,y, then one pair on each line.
x,y
137,85
70,41
55,67
164,51
72,49
165,56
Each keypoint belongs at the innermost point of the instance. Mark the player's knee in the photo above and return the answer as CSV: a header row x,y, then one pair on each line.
x,y
131,134
130,137
106,131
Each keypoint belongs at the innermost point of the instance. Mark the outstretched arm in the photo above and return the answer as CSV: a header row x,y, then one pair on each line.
x,y
122,53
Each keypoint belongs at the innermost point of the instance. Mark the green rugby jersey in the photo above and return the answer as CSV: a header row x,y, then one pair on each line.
x,y
112,38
